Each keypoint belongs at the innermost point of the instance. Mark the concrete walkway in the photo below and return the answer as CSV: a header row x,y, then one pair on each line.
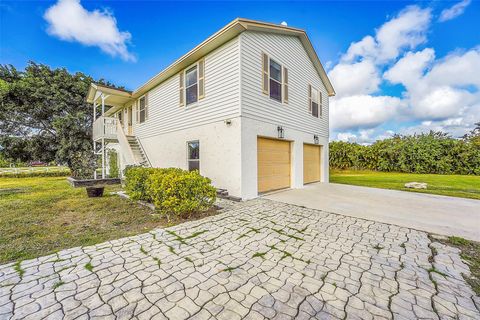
x,y
431,213
258,259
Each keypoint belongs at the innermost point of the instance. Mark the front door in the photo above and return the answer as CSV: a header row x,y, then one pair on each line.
x,y
130,121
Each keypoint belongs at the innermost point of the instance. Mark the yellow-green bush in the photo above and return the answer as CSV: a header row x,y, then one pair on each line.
x,y
135,182
172,190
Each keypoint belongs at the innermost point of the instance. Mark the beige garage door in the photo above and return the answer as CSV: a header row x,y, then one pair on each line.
x,y
273,164
311,163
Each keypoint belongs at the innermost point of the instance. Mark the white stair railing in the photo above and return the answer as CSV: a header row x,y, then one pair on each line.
x,y
125,145
105,127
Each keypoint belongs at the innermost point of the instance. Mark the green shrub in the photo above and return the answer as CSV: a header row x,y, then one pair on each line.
x,y
433,152
172,190
32,174
113,164
135,182
180,192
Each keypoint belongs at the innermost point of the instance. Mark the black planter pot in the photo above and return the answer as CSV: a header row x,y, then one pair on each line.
x,y
94,192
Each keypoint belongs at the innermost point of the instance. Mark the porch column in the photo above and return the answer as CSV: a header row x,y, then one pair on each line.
x,y
103,158
103,139
95,153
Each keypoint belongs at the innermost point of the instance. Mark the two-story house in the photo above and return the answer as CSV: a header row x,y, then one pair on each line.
x,y
248,107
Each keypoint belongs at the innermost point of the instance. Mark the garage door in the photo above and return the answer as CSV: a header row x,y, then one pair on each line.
x,y
273,164
311,163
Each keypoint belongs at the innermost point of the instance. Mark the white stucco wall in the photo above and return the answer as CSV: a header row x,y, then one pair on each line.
x,y
251,129
220,153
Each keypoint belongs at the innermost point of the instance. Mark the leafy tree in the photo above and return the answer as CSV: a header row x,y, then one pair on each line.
x,y
44,115
474,135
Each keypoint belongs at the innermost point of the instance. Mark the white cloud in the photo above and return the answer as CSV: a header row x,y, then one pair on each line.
x,y
346,137
357,78
405,31
441,94
436,89
410,69
457,69
440,103
364,136
69,20
454,11
363,111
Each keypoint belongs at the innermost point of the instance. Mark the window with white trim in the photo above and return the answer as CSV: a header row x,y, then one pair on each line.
x,y
191,85
142,110
315,101
274,79
193,155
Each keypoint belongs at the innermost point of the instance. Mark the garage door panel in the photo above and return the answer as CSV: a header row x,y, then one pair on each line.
x,y
273,162
311,163
274,157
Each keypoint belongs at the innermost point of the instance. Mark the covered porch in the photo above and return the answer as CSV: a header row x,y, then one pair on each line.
x,y
107,101
108,123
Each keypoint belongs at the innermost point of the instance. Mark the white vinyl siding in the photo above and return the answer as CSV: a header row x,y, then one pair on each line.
x,y
287,51
221,101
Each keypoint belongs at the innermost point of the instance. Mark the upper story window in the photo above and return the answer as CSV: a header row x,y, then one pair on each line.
x,y
315,101
275,79
192,84
142,109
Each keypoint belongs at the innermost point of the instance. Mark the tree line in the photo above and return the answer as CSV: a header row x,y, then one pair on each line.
x,y
433,152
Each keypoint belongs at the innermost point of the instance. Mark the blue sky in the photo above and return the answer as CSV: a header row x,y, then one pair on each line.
x,y
136,40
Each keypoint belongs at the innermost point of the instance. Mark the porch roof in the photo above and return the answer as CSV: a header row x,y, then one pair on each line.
x,y
114,97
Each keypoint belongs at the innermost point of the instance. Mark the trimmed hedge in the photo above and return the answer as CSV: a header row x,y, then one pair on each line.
x,y
172,190
59,173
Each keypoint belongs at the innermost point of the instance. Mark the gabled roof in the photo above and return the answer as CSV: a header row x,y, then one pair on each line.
x,y
222,36
227,33
117,96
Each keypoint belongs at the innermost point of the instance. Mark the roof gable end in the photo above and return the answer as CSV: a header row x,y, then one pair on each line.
x,y
230,31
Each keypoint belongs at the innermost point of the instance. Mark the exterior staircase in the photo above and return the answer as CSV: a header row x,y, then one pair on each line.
x,y
138,152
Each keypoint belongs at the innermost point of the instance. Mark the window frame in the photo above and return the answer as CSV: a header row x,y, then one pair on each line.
x,y
270,78
188,154
318,102
139,113
185,87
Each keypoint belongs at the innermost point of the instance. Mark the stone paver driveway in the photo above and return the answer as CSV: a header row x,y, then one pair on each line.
x,y
258,259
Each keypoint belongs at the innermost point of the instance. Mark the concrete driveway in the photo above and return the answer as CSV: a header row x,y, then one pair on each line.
x,y
258,259
436,214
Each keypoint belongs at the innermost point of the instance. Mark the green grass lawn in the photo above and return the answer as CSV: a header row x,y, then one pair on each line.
x,y
39,216
446,185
